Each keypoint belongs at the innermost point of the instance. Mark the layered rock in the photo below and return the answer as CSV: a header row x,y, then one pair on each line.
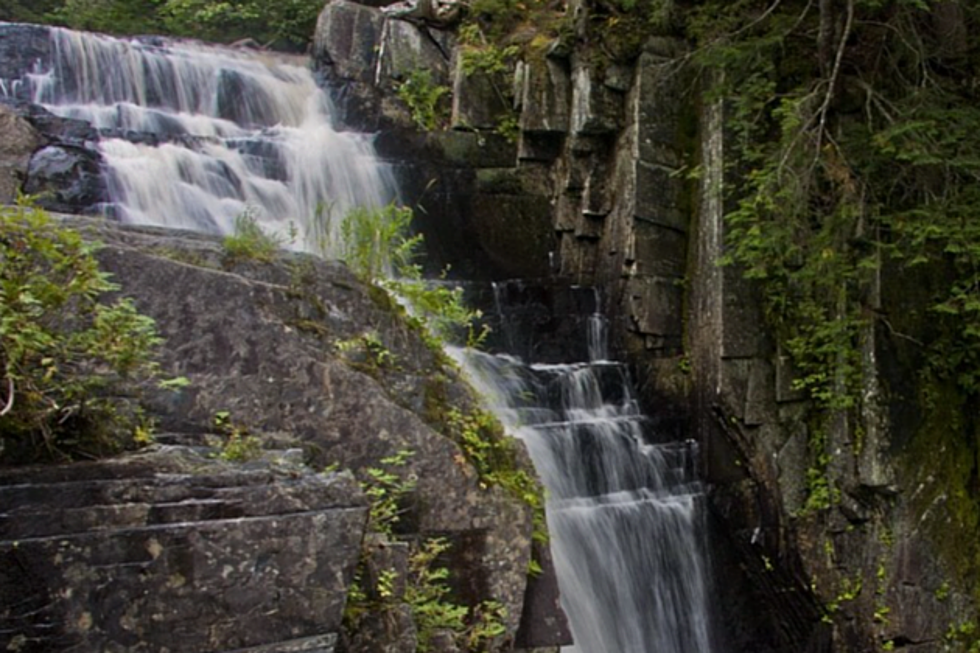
x,y
258,343
171,550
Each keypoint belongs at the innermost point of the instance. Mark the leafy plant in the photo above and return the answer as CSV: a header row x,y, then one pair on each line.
x,y
426,590
377,245
494,456
249,242
422,95
366,351
65,352
386,489
239,446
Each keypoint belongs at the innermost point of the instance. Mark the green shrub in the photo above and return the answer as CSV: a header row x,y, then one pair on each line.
x,y
422,95
248,242
64,353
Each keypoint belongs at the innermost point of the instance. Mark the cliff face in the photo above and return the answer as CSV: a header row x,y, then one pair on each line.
x,y
886,560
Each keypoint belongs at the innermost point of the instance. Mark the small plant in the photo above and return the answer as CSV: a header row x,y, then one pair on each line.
x,y
366,352
64,353
248,242
240,446
492,453
488,59
421,95
426,592
378,248
509,127
386,489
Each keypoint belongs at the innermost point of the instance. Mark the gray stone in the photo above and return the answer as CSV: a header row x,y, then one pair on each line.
x,y
480,99
543,622
18,141
618,77
656,251
222,337
595,108
267,562
545,97
655,305
386,631
346,40
439,13
658,190
67,179
407,48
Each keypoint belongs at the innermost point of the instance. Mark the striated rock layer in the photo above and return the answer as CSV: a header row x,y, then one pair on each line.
x,y
172,550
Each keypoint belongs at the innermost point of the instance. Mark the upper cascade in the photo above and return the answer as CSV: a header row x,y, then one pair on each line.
x,y
194,135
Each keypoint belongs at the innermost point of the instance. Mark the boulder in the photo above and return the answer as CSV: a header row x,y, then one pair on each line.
x,y
67,178
346,39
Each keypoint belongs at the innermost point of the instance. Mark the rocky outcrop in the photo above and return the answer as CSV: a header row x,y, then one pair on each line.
x,y
261,344
174,550
18,141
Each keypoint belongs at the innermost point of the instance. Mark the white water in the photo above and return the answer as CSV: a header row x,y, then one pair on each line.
x,y
624,514
231,132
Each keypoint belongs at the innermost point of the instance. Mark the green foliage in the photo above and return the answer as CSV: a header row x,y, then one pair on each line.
x,y
428,595
422,97
367,352
376,244
488,59
286,24
64,353
387,487
378,248
426,589
853,137
239,445
109,16
248,242
963,637
494,456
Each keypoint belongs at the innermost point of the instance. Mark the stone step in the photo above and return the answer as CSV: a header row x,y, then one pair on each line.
x,y
75,501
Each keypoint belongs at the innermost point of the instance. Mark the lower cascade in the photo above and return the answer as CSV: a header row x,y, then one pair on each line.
x,y
624,511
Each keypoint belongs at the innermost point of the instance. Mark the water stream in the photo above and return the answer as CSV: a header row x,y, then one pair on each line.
x,y
194,136
624,510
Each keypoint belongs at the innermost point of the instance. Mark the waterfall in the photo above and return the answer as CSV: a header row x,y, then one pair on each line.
x,y
624,511
193,136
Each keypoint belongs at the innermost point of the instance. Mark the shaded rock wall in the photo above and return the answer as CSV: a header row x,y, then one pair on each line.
x,y
614,141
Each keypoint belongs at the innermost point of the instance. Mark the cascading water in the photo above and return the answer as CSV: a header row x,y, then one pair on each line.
x,y
194,136
623,511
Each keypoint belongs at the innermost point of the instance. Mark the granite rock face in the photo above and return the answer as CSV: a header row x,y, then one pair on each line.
x,y
180,542
18,141
173,550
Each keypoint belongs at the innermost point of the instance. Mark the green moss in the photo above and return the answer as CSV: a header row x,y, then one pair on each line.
x,y
942,460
